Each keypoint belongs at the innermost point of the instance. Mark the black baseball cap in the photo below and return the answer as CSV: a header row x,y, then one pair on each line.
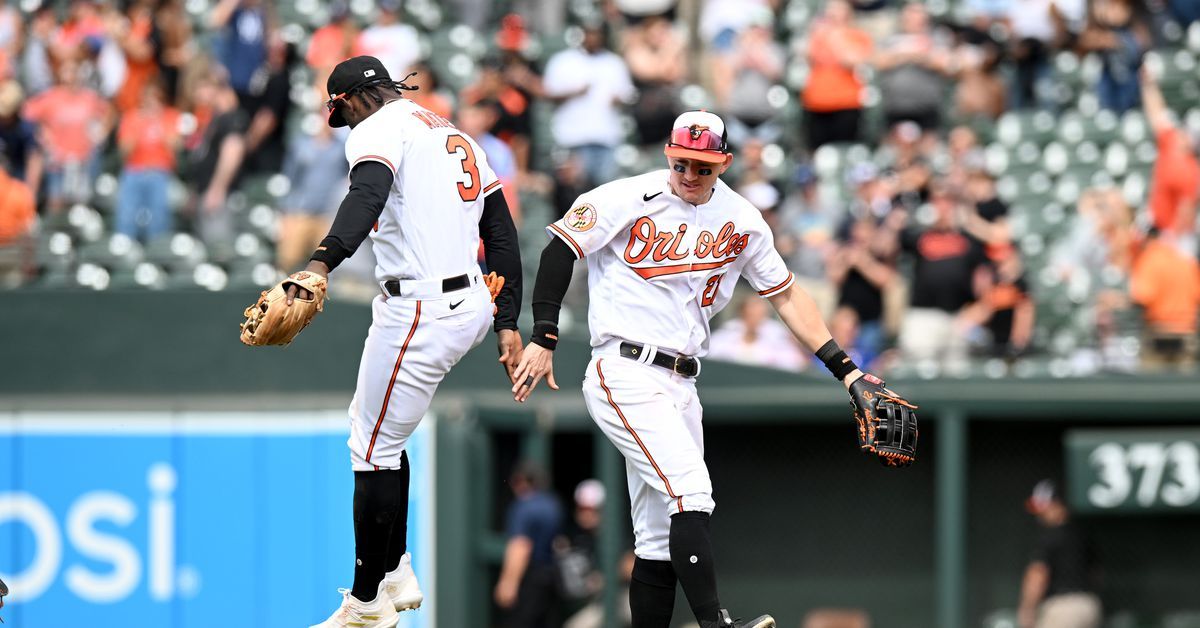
x,y
348,76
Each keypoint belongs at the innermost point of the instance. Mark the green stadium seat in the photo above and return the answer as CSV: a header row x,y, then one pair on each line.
x,y
176,252
1015,126
115,252
54,251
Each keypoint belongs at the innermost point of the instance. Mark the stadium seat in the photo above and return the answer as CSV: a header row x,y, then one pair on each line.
x,y
114,252
178,251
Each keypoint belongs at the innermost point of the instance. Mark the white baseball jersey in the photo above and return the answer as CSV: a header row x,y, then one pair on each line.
x,y
429,228
428,231
659,268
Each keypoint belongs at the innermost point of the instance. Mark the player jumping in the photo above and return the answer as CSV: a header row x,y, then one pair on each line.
x,y
425,194
664,251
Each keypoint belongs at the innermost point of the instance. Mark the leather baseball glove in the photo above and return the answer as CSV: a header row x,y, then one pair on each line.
x,y
494,284
887,425
271,321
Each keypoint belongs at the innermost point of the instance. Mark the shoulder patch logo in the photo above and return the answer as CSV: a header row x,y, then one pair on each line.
x,y
581,218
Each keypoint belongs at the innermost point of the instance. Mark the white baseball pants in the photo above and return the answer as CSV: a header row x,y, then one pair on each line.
x,y
654,418
412,344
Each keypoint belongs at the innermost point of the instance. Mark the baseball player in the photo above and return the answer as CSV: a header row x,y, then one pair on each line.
x,y
664,251
425,194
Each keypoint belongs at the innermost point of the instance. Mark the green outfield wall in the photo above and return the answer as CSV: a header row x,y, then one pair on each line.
x,y
803,521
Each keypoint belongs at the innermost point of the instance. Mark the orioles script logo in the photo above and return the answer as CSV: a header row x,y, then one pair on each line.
x,y
646,241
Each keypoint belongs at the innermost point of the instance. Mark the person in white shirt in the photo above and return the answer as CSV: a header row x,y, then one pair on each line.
x,y
756,339
664,251
395,44
589,84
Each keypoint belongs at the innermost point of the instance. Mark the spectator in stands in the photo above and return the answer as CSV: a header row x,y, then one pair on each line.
x,y
11,34
1033,34
843,326
242,27
428,92
722,20
72,122
833,96
589,85
37,70
656,54
84,20
1166,283
523,85
391,41
18,138
1175,185
986,218
331,44
477,120
18,213
176,48
755,181
980,91
860,268
268,103
943,306
316,167
510,83
135,36
527,588
1100,237
1008,308
1060,582
217,158
745,75
805,238
757,339
913,66
148,139
1117,31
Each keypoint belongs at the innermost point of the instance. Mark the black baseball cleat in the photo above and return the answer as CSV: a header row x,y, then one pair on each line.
x,y
723,621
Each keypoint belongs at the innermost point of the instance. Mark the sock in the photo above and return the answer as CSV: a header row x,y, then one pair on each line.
x,y
398,542
652,593
375,511
692,558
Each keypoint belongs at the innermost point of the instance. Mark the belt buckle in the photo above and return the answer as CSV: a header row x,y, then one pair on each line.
x,y
678,366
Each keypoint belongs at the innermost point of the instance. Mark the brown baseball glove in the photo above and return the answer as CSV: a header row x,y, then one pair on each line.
x,y
271,321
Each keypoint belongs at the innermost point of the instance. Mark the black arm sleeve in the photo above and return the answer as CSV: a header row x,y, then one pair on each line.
x,y
553,279
502,253
370,182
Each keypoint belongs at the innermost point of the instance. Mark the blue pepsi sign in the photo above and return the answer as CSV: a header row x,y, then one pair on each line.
x,y
179,520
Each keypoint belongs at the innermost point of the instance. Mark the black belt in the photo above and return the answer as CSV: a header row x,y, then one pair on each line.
x,y
449,284
687,367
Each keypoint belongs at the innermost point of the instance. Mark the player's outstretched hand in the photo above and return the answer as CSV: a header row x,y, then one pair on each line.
x,y
509,343
536,362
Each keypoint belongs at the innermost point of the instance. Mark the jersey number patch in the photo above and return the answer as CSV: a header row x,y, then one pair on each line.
x,y
710,290
458,145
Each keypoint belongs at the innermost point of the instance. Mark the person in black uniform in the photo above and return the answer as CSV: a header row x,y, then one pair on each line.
x,y
1059,588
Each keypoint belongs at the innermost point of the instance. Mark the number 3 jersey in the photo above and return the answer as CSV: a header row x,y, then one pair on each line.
x,y
429,228
659,268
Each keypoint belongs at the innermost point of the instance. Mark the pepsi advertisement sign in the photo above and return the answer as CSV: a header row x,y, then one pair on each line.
x,y
174,520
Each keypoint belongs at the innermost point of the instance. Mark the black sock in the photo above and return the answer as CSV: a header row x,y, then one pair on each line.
x,y
652,593
398,543
692,558
375,510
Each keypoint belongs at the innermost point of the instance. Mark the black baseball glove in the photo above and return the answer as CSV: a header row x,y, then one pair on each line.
x,y
887,425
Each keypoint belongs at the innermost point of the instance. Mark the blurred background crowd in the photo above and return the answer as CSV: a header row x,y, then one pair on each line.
x,y
985,187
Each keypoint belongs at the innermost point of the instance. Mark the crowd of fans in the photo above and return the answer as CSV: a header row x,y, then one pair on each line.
x,y
911,250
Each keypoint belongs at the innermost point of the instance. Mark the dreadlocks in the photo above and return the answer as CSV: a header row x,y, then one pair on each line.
x,y
378,91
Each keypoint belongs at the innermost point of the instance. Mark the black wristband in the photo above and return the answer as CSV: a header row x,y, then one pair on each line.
x,y
836,360
545,335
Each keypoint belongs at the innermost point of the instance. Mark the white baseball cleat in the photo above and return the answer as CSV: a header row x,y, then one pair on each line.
x,y
401,586
353,613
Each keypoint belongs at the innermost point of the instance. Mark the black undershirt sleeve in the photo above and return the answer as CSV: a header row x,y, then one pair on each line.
x,y
553,279
502,253
370,182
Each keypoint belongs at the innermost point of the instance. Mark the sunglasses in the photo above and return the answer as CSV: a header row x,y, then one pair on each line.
x,y
697,138
332,103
